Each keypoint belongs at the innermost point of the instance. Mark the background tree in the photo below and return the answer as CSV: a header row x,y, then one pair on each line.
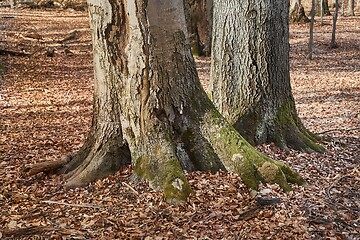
x,y
333,42
322,8
250,78
351,6
200,25
297,12
311,34
149,104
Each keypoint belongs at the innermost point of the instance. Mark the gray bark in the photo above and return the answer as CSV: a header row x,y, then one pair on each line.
x,y
250,79
149,104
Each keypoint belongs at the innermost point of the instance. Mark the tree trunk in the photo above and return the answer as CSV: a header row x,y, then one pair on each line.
x,y
250,79
297,12
333,42
149,104
351,6
200,22
311,34
322,8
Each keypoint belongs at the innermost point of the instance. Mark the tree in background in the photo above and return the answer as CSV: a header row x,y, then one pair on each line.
x,y
311,34
333,42
150,107
250,77
322,8
351,6
297,12
199,19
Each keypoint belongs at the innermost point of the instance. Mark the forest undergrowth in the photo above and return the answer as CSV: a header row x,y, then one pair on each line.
x,y
45,114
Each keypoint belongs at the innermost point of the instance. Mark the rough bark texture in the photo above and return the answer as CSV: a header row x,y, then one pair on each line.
x,y
297,12
250,80
149,104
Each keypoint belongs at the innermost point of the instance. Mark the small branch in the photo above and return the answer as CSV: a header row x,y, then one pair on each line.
x,y
338,130
333,185
73,205
48,166
130,187
14,53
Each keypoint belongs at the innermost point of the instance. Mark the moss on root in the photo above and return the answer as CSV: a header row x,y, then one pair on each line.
x,y
164,172
292,133
240,157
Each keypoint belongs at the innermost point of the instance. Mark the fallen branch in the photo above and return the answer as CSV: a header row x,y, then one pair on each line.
x,y
131,188
47,167
333,185
14,53
39,230
338,130
72,205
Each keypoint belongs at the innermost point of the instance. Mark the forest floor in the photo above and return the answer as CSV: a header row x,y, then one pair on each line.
x,y
45,113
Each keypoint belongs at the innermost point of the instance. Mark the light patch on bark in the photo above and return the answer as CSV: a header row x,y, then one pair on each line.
x,y
268,171
237,158
178,184
105,6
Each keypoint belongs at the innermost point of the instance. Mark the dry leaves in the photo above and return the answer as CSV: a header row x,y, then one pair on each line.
x,y
46,112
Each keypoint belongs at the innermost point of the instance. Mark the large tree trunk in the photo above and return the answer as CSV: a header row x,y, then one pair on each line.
x,y
250,80
297,12
149,104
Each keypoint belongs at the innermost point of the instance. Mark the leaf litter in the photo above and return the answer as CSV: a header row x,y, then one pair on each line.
x,y
46,107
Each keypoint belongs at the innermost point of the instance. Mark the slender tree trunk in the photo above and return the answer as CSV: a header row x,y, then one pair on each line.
x,y
342,7
149,104
333,41
250,79
351,6
322,7
321,11
297,12
311,34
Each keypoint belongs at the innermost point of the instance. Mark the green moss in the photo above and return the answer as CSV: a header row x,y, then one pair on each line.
x,y
164,172
242,158
291,132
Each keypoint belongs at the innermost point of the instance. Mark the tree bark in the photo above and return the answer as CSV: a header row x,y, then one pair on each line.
x,y
149,104
297,12
311,30
250,79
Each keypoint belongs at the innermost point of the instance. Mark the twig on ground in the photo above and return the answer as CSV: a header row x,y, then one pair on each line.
x,y
130,187
338,130
73,205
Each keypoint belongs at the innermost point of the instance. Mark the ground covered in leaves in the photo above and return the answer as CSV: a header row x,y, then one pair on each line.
x,y
46,101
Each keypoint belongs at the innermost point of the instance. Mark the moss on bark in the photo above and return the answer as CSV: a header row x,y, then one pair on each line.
x,y
291,132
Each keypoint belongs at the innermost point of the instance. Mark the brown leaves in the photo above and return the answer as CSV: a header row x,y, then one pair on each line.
x,y
46,112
